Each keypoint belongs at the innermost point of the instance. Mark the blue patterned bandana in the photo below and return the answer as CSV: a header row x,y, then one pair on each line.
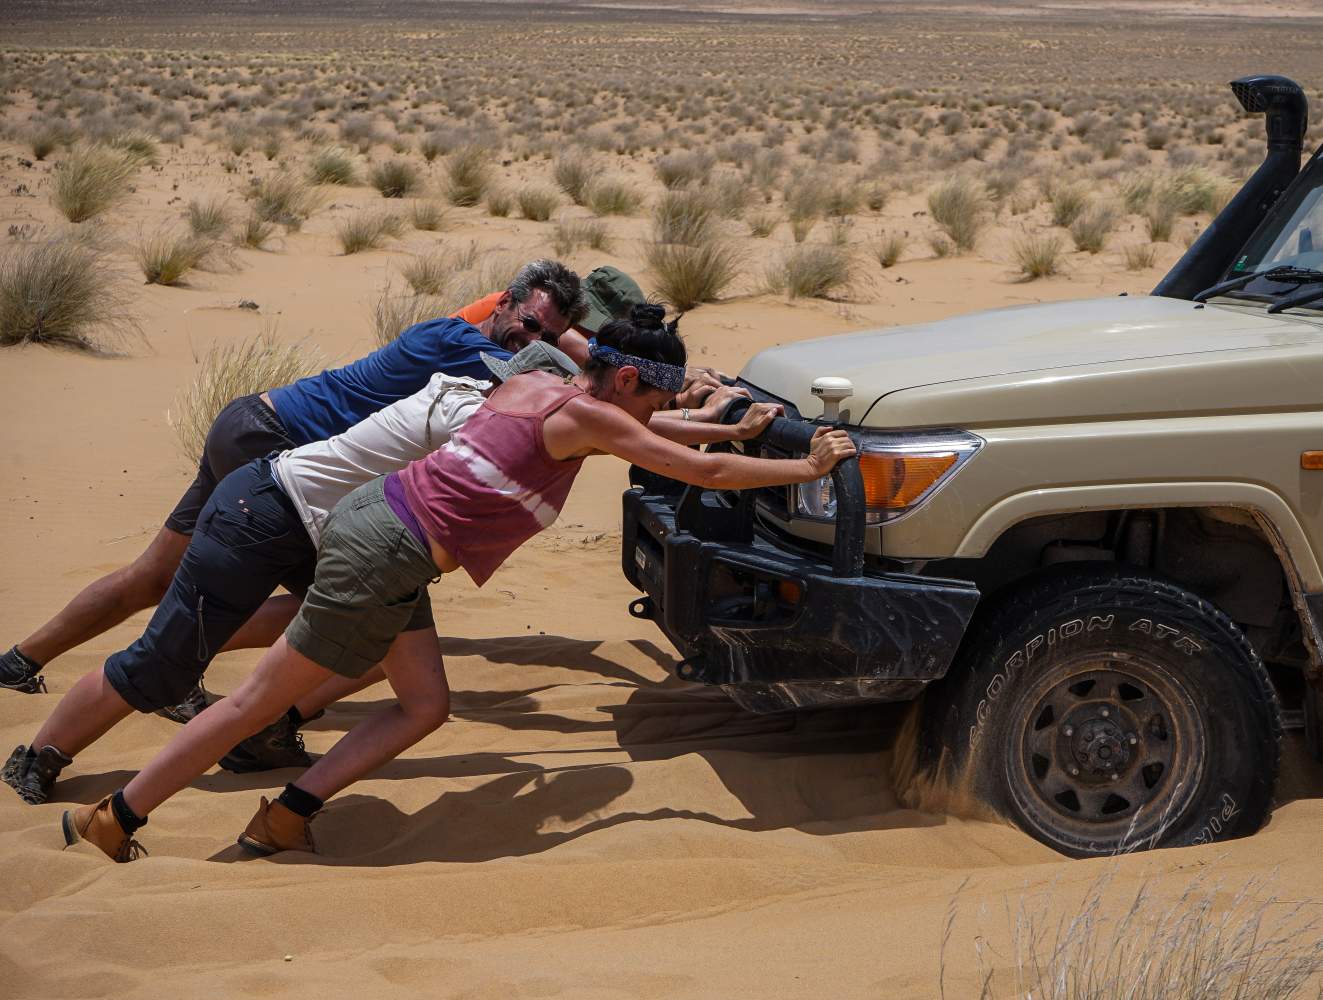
x,y
656,373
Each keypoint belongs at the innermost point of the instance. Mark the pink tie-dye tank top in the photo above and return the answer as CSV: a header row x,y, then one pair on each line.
x,y
493,486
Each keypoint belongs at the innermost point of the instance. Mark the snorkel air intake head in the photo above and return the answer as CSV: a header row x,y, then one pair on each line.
x,y
1286,114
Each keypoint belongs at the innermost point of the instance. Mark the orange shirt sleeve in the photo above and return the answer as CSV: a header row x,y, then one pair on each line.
x,y
476,312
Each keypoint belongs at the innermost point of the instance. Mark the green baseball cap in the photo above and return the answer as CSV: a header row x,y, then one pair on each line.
x,y
610,294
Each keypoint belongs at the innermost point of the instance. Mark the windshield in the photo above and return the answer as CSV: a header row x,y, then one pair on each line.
x,y
1291,236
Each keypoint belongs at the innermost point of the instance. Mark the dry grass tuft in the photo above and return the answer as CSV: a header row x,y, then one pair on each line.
x,y
60,292
395,179
255,233
367,230
958,206
1038,256
228,371
573,171
167,255
500,202
90,180
683,216
283,199
392,314
468,172
611,196
811,271
332,165
428,216
1092,227
537,203
208,218
890,248
1140,256
570,234
762,224
687,275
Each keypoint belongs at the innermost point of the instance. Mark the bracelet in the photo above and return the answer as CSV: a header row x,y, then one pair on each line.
x,y
684,410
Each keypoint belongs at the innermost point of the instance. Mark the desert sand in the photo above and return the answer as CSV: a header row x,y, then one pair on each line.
x,y
585,825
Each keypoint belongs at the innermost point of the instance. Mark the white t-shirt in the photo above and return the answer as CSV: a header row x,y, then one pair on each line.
x,y
317,475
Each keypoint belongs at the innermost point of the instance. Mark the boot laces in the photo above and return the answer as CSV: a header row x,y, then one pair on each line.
x,y
131,850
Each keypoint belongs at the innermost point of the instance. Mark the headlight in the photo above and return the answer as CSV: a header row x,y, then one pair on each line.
x,y
900,472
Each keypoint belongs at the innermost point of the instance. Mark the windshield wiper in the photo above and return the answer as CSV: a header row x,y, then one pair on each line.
x,y
1300,298
1285,273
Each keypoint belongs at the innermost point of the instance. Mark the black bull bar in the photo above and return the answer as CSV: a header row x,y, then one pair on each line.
x,y
777,625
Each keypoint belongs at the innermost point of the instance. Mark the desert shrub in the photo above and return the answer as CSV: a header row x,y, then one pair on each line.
x,y
428,274
284,199
1157,136
761,224
841,197
1139,256
611,196
137,144
811,271
90,180
428,216
500,202
367,230
167,255
207,218
1195,941
804,200
1192,190
468,172
332,166
1091,228
255,233
480,276
890,247
1038,255
573,171
687,275
392,313
570,234
45,138
958,208
1136,192
395,178
801,226
679,169
1159,220
683,216
228,371
1067,201
60,292
537,203
729,195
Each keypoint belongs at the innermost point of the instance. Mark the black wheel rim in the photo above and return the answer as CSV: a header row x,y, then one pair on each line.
x,y
1107,752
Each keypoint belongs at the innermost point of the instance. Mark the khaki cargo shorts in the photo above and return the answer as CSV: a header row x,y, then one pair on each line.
x,y
370,585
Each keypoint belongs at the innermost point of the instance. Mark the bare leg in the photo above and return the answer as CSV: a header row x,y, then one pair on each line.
x,y
336,688
90,710
106,602
267,624
415,670
281,677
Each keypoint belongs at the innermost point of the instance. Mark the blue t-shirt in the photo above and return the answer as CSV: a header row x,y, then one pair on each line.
x,y
320,406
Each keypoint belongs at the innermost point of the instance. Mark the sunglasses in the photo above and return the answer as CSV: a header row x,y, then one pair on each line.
x,y
533,325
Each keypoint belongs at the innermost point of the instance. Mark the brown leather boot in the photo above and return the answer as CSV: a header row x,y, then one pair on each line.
x,y
275,827
97,825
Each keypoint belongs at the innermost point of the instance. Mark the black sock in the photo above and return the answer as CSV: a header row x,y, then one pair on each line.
x,y
296,800
128,819
295,716
27,661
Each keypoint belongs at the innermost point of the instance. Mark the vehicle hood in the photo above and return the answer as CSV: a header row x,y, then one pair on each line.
x,y
1087,359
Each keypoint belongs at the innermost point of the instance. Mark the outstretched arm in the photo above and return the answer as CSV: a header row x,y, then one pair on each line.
x,y
586,426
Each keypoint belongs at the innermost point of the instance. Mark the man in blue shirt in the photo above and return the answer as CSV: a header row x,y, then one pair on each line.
x,y
542,301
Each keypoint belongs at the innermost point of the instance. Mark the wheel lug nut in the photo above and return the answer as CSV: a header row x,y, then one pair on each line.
x,y
1068,730
1104,712
1115,776
1074,772
1132,739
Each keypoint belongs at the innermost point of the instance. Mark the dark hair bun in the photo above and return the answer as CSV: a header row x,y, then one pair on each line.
x,y
647,316
646,334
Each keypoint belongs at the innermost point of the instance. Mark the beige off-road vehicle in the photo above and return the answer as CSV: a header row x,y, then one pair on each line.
x,y
1087,535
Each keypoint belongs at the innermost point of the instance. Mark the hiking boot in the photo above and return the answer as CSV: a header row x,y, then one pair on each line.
x,y
18,673
194,702
16,766
97,825
35,783
278,745
275,827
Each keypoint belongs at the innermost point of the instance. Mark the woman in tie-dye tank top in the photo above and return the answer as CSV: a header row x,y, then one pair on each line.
x,y
468,505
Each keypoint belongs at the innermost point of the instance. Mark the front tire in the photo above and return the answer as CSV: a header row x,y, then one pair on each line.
x,y
1103,711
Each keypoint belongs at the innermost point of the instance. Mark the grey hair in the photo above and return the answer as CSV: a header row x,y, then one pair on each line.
x,y
558,281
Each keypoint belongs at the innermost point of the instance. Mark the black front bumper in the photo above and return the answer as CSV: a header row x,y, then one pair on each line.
x,y
780,630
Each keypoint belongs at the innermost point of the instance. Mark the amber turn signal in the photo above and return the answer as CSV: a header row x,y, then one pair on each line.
x,y
1311,461
894,480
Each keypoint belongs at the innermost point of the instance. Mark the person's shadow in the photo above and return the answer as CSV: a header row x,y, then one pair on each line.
x,y
823,772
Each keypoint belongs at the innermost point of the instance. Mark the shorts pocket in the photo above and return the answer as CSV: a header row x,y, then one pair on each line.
x,y
237,531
